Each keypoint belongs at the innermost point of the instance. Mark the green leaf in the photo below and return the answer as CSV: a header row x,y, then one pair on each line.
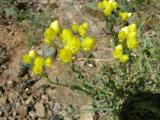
x,y
11,11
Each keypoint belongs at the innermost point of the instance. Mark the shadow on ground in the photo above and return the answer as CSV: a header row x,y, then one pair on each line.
x,y
141,106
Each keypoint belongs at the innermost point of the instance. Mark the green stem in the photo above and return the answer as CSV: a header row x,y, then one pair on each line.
x,y
74,87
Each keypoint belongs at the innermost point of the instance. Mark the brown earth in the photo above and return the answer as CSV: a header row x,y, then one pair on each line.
x,y
12,37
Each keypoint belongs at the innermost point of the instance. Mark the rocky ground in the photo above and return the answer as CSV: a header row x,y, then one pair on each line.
x,y
31,98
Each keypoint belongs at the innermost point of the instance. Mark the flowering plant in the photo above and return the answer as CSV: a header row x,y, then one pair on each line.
x,y
127,37
68,43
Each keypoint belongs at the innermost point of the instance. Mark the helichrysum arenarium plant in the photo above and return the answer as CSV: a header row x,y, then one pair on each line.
x,y
69,42
126,40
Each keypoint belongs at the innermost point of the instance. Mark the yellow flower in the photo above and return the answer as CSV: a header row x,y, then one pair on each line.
x,y
122,36
132,35
49,36
107,6
125,29
132,43
55,26
118,52
37,70
85,25
32,53
105,3
75,27
74,45
108,10
125,16
65,55
48,62
83,29
66,35
88,44
100,5
114,5
133,28
124,58
27,59
39,61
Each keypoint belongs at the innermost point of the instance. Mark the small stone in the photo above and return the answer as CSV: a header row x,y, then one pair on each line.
x,y
44,2
10,83
50,113
29,100
40,109
40,83
1,113
45,98
13,95
52,2
56,107
32,114
3,101
22,110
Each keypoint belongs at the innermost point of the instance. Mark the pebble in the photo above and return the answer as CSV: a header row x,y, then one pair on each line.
x,y
3,101
32,114
22,110
29,100
40,109
44,2
13,95
52,2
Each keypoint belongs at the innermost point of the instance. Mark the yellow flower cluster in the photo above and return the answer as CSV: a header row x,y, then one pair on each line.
x,y
51,32
108,6
74,43
127,36
118,54
125,15
38,62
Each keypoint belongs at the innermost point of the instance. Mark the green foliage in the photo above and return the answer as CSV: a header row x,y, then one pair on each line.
x,y
38,21
117,81
30,40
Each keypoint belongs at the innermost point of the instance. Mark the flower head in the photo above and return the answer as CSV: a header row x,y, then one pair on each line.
x,y
66,35
27,59
49,62
74,45
132,35
83,29
101,5
118,52
75,27
39,61
132,43
125,15
122,36
37,70
55,26
88,44
124,58
32,53
49,36
108,9
65,55
108,6
133,27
